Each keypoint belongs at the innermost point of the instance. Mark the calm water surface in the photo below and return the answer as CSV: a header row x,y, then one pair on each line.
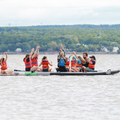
x,y
61,97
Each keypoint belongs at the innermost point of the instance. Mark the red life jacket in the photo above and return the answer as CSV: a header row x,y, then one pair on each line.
x,y
67,63
79,65
91,66
4,66
73,63
28,64
34,62
45,64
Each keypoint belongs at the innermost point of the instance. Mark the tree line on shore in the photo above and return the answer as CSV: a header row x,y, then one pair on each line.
x,y
73,37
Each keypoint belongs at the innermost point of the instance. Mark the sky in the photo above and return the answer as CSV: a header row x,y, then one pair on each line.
x,y
58,12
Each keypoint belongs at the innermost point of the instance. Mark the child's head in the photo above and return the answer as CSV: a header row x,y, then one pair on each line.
x,y
79,57
62,54
85,54
27,55
73,59
2,59
44,58
92,58
35,55
67,58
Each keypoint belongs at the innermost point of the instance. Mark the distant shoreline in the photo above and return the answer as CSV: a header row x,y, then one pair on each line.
x,y
55,53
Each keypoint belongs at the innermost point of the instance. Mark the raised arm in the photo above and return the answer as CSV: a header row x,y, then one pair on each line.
x,y
31,53
75,59
61,47
70,56
82,59
61,50
36,52
87,60
6,56
75,54
3,56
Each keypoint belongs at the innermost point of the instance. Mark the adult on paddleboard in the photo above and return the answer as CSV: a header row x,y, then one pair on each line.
x,y
61,63
85,56
91,66
3,63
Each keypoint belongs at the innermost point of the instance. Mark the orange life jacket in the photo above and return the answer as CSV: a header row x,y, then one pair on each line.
x,y
4,66
67,63
73,63
45,64
34,62
28,64
79,65
91,66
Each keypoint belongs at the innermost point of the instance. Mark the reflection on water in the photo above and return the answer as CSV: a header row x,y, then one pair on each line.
x,y
61,97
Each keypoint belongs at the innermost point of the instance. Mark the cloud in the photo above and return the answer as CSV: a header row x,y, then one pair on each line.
x,y
29,12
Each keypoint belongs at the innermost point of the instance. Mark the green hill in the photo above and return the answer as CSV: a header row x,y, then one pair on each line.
x,y
73,37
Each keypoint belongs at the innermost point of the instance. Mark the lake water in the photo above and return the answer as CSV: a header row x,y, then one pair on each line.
x,y
61,97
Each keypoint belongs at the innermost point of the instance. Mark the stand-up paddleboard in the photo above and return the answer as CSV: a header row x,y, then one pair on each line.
x,y
23,73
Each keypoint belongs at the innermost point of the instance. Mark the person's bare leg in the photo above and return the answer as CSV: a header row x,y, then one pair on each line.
x,y
3,72
34,68
75,69
72,70
83,68
39,70
9,72
49,69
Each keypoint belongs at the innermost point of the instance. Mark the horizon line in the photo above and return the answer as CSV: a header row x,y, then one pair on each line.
x,y
56,25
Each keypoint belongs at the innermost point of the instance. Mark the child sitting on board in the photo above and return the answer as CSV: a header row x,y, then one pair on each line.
x,y
45,65
3,63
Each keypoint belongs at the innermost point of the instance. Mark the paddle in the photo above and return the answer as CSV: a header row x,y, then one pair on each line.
x,y
19,70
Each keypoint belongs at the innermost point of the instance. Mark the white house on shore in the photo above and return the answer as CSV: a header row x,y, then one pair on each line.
x,y
99,36
115,49
18,50
104,49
